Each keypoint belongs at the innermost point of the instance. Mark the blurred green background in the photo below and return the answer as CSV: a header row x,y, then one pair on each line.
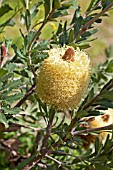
x,y
104,37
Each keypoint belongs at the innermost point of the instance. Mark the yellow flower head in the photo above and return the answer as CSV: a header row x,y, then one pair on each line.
x,y
64,77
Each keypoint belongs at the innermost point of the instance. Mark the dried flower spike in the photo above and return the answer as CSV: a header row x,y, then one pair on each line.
x,y
97,122
64,77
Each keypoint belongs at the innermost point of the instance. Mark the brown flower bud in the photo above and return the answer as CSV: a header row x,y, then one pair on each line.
x,y
69,55
3,51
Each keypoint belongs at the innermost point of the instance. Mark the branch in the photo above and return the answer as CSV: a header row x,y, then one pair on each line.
x,y
29,92
109,127
15,127
32,163
43,151
48,133
88,24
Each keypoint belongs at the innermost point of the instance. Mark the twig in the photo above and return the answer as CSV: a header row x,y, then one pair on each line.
x,y
53,159
64,153
29,92
108,86
27,4
32,163
15,127
109,127
88,24
48,132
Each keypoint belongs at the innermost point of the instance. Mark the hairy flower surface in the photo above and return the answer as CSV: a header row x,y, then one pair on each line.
x,y
64,77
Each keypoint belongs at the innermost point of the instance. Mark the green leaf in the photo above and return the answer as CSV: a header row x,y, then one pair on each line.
x,y
60,27
92,4
107,94
11,67
24,3
89,33
100,159
71,4
59,13
100,167
108,145
12,84
109,68
8,22
64,38
51,113
13,98
17,51
11,110
28,19
56,4
24,163
81,113
47,7
97,146
65,33
28,38
4,9
83,45
90,95
24,73
42,45
2,73
6,77
76,16
34,10
77,25
105,3
37,57
109,51
105,103
3,120
71,35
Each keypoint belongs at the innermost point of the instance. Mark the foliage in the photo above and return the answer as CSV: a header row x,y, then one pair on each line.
x,y
32,134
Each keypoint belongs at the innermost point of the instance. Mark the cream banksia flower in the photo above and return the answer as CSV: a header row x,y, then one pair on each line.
x,y
64,77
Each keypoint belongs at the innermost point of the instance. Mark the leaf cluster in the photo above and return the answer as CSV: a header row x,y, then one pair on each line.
x,y
46,136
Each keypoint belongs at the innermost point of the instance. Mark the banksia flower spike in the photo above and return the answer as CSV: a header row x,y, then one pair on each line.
x,y
63,78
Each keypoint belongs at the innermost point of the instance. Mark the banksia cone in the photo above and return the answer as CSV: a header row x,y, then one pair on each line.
x,y
97,122
63,78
